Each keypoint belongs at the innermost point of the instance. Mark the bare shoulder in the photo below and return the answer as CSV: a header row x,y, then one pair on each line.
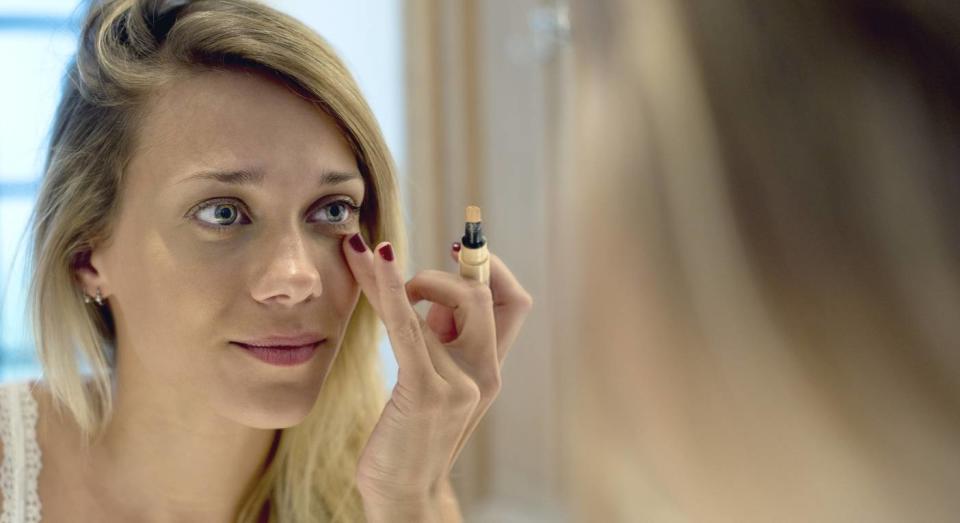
x,y
58,483
50,427
55,431
41,396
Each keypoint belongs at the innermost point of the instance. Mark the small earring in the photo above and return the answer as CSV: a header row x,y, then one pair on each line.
x,y
98,298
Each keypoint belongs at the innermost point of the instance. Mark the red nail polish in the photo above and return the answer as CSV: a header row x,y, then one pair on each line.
x,y
356,241
386,252
456,246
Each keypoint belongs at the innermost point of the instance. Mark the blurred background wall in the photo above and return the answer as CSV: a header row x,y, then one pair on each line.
x,y
488,96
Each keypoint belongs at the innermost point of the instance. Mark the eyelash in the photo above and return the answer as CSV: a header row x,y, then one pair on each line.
x,y
353,209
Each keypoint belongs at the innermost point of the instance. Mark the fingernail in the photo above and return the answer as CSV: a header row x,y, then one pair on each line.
x,y
456,246
356,241
386,252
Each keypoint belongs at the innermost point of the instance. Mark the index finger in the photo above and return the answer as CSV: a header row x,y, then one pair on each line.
x,y
360,262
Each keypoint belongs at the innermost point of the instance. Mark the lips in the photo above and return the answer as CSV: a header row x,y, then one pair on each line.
x,y
283,341
274,347
284,356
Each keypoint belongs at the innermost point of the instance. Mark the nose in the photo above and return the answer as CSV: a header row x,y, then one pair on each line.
x,y
291,275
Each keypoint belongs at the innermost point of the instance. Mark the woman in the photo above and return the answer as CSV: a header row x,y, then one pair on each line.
x,y
779,320
213,181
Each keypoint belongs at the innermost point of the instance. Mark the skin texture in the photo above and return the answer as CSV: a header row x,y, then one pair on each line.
x,y
449,375
194,412
197,414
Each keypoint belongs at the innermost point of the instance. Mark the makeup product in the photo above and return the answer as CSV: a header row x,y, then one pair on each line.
x,y
474,256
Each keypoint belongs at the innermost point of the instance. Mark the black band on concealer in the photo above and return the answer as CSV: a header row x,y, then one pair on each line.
x,y
473,237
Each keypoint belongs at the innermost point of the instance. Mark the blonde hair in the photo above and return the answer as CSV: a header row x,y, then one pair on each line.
x,y
128,49
779,319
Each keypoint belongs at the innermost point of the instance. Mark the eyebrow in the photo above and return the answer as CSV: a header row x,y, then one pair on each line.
x,y
247,177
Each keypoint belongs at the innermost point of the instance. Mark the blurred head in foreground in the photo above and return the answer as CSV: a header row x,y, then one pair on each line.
x,y
774,194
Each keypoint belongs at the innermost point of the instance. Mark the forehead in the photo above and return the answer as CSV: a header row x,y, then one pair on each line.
x,y
217,119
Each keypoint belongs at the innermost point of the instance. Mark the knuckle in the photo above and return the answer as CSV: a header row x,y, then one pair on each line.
x,y
482,295
396,287
425,276
490,383
526,300
407,330
432,401
426,273
430,397
466,394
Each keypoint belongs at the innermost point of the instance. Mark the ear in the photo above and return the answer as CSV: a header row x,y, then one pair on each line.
x,y
86,265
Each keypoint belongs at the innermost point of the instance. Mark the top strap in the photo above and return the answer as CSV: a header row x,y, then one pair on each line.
x,y
21,454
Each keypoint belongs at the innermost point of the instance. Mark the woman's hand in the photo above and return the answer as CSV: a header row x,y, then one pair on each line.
x,y
449,369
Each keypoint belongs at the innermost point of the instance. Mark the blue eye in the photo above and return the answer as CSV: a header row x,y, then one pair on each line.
x,y
345,211
223,214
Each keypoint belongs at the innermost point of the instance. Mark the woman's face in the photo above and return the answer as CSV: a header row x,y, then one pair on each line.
x,y
181,290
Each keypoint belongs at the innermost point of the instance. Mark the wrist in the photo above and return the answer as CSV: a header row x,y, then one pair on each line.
x,y
376,513
446,504
407,510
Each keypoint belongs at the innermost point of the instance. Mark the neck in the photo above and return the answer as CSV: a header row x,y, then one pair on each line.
x,y
164,457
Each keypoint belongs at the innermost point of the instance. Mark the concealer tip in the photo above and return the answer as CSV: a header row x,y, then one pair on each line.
x,y
473,214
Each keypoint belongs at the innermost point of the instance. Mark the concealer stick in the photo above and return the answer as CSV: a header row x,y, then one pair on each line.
x,y
474,256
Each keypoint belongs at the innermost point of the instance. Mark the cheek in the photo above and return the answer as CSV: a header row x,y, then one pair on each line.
x,y
340,287
204,284
156,288
213,278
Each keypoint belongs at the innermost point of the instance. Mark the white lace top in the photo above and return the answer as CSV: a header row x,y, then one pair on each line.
x,y
21,454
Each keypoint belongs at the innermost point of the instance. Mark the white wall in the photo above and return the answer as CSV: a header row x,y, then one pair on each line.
x,y
368,35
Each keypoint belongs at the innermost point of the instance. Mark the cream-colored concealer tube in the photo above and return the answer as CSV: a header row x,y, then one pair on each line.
x,y
474,256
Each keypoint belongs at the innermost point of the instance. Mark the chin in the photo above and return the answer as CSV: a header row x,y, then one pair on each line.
x,y
275,419
274,422
272,406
